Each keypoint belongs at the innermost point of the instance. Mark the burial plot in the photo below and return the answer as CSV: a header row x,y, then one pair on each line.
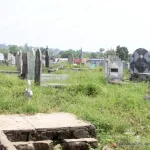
x,y
113,69
71,59
43,131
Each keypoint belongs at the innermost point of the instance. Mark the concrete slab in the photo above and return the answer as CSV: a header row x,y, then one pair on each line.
x,y
14,122
40,121
55,120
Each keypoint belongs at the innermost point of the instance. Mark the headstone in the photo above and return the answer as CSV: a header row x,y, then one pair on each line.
x,y
1,57
113,69
20,62
47,58
70,59
24,65
11,59
38,67
17,60
31,65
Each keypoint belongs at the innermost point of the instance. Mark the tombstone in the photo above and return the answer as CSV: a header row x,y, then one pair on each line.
x,y
31,65
19,63
71,59
11,59
113,69
38,67
47,58
1,57
24,66
140,65
17,59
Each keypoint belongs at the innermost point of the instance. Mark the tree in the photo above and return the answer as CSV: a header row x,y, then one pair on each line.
x,y
122,52
65,54
110,52
13,49
93,55
101,52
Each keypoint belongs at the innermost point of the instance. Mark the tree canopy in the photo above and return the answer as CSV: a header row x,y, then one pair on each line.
x,y
122,52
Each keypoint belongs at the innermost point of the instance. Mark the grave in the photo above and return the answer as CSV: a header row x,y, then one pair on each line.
x,y
30,73
47,58
71,59
113,69
45,131
1,57
11,59
44,79
140,65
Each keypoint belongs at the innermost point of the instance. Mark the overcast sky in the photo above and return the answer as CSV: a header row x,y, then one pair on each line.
x,y
64,24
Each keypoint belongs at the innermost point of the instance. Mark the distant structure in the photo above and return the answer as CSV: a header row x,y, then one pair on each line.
x,y
113,69
140,65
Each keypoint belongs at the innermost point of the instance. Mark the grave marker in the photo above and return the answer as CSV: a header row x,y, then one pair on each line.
x,y
31,65
24,65
38,67
47,58
20,62
71,59
1,57
11,59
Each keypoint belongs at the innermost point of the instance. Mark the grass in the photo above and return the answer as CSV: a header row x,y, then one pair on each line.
x,y
118,111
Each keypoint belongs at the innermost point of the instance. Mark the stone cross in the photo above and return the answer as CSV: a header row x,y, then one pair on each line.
x,y
38,67
47,58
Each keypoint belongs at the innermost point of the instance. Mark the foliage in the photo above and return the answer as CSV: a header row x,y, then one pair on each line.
x,y
110,52
13,49
115,110
122,52
65,54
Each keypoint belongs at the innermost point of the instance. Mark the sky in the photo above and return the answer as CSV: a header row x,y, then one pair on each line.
x,y
72,24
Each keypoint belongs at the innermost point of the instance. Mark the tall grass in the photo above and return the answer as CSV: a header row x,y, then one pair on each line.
x,y
115,110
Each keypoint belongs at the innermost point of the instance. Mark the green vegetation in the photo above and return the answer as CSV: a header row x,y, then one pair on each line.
x,y
118,111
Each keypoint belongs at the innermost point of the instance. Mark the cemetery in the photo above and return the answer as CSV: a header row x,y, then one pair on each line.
x,y
43,97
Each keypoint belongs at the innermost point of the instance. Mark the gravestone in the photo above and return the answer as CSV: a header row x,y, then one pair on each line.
x,y
31,65
11,59
24,65
71,59
113,69
47,58
17,60
1,57
38,67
